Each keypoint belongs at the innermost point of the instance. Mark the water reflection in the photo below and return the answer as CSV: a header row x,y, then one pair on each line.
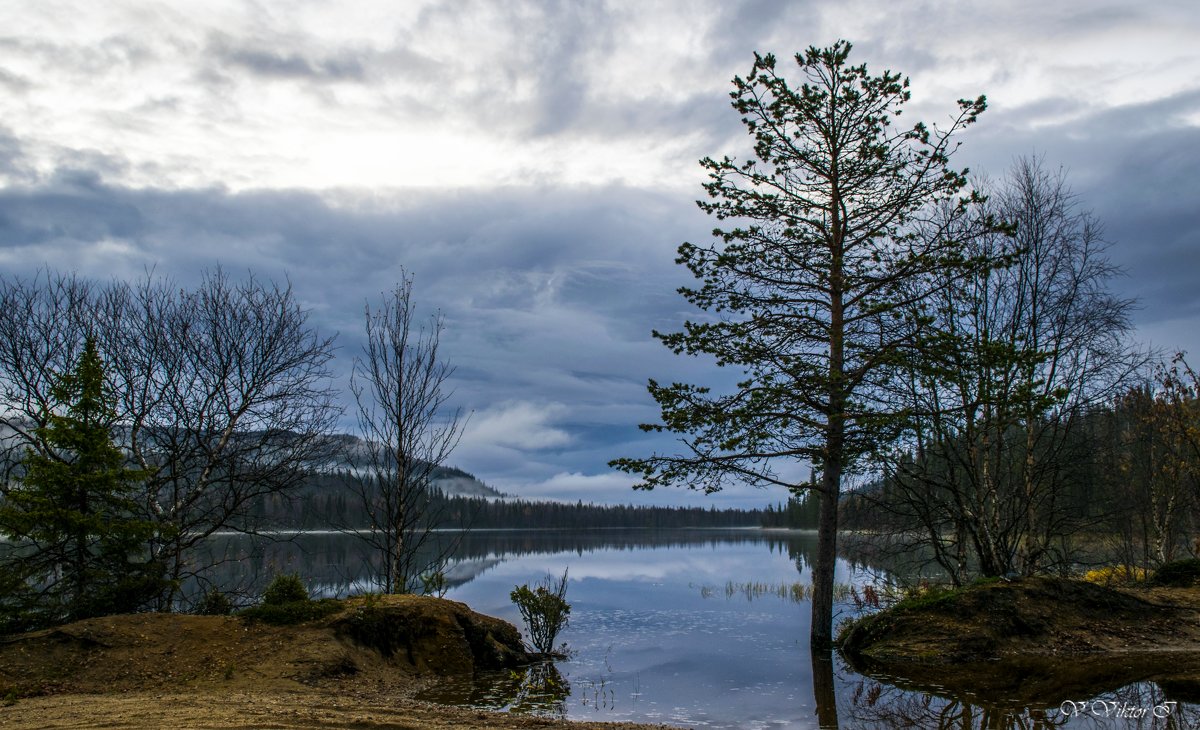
x,y
538,689
649,644
878,704
824,690
337,564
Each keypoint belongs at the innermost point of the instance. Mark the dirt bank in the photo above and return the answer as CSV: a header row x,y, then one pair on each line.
x,y
358,668
1034,640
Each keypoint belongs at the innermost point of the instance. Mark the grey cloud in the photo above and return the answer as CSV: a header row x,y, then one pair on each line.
x,y
264,58
572,36
115,53
550,295
73,209
743,27
13,82
1148,119
13,163
555,43
1097,18
1135,167
557,49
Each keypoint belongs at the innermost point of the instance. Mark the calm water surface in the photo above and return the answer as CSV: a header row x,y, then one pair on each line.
x,y
687,629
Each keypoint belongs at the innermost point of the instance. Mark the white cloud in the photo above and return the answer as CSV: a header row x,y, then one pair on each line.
x,y
519,425
570,486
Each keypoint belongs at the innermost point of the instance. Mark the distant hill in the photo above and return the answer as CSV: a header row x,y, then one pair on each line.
x,y
452,481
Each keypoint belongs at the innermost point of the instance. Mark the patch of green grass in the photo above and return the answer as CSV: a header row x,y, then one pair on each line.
x,y
986,581
13,692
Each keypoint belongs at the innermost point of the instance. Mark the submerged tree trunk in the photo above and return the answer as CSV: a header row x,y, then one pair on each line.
x,y
821,635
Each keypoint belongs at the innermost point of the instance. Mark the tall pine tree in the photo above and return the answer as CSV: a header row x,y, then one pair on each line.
x,y
830,233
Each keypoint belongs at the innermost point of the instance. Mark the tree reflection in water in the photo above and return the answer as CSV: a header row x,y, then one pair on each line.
x,y
824,690
874,704
1141,706
538,689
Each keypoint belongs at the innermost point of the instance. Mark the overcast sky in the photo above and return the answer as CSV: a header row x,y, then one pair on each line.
x,y
534,166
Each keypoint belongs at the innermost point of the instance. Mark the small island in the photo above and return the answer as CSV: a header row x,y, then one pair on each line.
x,y
1030,641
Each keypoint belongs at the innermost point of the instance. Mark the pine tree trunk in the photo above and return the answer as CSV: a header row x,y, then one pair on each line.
x,y
821,636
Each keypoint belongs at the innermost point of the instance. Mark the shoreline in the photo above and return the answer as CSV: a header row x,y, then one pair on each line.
x,y
361,667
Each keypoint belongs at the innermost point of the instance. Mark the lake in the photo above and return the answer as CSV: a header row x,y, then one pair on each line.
x,y
696,628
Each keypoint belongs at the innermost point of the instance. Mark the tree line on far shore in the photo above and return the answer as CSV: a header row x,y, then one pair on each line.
x,y
331,506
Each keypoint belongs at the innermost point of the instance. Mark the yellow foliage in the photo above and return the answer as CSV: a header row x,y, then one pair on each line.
x,y
1115,574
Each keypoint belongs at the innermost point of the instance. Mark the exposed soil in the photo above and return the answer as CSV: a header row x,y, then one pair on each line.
x,y
359,668
1034,640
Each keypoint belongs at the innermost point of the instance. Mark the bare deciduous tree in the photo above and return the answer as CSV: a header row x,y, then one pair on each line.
x,y
992,471
399,386
223,392
43,327
1153,435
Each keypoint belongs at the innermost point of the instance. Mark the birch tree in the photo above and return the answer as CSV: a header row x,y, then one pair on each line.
x,y
400,388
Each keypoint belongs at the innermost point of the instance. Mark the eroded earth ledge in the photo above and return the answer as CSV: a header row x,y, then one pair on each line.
x,y
1034,641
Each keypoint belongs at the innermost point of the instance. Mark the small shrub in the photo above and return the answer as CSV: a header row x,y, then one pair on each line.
x,y
1180,574
214,603
433,583
285,588
544,609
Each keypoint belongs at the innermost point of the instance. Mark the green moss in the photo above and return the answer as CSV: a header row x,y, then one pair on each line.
x,y
934,597
10,694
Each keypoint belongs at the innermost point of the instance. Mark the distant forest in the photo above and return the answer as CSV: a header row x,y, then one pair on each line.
x,y
325,503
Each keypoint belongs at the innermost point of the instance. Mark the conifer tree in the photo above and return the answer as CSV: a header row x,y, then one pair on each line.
x,y
830,232
78,544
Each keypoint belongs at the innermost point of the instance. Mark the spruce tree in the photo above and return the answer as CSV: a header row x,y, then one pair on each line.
x,y
77,543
